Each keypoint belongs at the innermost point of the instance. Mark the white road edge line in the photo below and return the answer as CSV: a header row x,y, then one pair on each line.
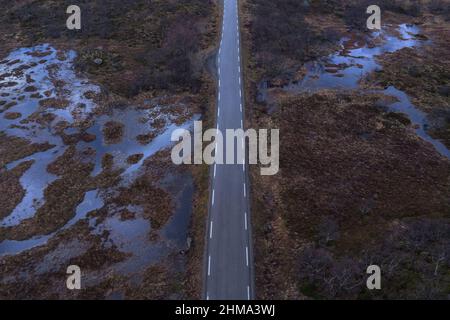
x,y
211,230
209,266
218,114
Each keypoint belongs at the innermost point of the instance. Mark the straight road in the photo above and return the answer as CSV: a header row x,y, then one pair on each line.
x,y
228,269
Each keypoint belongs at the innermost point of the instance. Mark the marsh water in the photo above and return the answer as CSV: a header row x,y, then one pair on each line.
x,y
29,76
346,68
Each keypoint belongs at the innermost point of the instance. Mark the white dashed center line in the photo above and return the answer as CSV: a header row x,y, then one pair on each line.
x,y
246,255
245,221
223,75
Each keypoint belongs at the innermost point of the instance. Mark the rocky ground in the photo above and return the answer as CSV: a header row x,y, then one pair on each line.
x,y
85,124
357,185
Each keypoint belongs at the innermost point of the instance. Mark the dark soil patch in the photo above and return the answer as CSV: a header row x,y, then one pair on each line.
x,y
54,103
11,191
146,138
13,148
12,115
113,132
135,158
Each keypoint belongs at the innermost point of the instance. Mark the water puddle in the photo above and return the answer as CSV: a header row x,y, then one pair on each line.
x,y
133,236
417,117
92,201
41,79
32,83
40,88
135,123
346,68
176,230
34,181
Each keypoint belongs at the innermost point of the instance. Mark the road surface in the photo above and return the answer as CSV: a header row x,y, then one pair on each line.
x,y
228,269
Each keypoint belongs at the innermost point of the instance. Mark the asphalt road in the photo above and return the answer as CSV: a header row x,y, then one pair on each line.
x,y
228,269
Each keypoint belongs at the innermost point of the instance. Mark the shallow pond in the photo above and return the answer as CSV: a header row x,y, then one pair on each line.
x,y
346,68
31,75
28,77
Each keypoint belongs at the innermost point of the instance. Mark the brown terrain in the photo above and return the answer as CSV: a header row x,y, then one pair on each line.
x,y
85,119
357,186
85,170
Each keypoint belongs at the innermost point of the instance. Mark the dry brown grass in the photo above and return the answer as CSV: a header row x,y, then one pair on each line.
x,y
349,164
